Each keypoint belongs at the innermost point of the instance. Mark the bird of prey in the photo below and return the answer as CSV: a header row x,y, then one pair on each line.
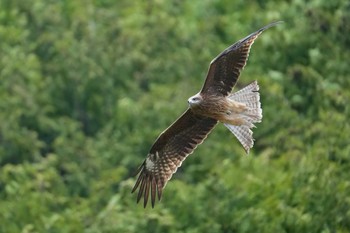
x,y
214,103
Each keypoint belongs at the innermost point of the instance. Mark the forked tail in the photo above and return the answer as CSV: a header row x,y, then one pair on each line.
x,y
250,96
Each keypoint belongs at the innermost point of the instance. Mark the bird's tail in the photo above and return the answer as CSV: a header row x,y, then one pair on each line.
x,y
250,96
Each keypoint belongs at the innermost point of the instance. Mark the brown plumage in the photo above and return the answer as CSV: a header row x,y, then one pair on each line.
x,y
238,111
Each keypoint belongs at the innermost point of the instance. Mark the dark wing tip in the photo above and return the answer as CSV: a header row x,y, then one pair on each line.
x,y
250,37
270,25
147,184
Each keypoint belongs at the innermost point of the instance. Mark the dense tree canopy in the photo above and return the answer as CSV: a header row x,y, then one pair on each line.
x,y
87,86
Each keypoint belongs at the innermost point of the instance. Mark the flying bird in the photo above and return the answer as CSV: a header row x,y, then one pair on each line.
x,y
214,103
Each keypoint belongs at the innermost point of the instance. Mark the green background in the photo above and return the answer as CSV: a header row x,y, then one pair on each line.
x,y
86,86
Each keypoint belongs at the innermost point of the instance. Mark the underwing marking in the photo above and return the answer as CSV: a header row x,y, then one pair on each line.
x,y
149,163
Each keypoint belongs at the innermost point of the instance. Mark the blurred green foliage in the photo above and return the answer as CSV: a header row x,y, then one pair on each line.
x,y
87,86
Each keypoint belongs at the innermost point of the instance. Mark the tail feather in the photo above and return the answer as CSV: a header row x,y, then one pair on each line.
x,y
243,134
250,96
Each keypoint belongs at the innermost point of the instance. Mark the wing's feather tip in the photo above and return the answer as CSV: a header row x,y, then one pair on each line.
x,y
139,179
159,194
271,25
153,191
142,188
146,192
138,199
148,185
136,184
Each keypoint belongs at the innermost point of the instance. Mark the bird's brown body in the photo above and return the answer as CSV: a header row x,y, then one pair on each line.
x,y
215,103
220,108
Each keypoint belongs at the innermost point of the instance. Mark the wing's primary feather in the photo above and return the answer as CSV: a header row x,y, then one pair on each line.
x,y
169,151
225,69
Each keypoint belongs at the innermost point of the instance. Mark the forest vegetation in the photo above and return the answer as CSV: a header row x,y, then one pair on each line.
x,y
86,86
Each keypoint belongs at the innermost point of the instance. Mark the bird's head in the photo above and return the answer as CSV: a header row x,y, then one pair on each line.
x,y
195,100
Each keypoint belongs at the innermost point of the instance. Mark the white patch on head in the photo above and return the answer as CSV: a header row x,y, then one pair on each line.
x,y
149,164
195,100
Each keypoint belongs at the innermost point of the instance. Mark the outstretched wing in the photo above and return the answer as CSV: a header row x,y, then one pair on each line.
x,y
225,69
169,151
